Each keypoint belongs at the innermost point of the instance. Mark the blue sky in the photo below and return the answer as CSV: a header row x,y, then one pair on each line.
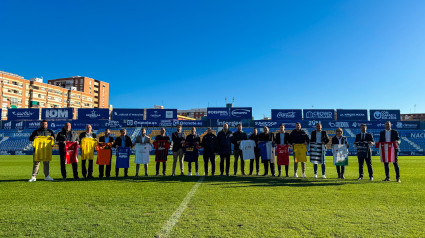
x,y
190,54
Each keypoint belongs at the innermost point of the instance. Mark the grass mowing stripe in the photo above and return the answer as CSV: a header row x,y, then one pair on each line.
x,y
166,229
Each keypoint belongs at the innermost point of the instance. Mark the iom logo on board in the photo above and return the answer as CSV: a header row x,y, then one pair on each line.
x,y
56,113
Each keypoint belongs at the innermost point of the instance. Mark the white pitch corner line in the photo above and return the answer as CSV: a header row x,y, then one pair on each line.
x,y
172,221
166,229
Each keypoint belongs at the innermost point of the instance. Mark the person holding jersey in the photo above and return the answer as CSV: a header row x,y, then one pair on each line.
x,y
142,139
299,137
266,135
66,134
254,137
106,138
42,131
122,141
390,135
87,134
192,143
319,137
282,138
339,139
365,137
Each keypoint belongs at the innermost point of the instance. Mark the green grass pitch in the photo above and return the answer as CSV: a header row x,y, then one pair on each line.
x,y
235,206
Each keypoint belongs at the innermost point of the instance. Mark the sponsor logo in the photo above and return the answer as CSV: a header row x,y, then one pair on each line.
x,y
266,123
7,125
219,112
286,115
240,112
384,115
339,124
93,115
155,114
56,113
349,115
24,114
230,123
319,114
169,114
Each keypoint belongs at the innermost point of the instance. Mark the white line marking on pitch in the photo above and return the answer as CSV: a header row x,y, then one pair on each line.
x,y
166,229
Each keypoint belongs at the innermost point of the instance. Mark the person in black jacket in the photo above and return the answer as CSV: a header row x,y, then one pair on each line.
x,y
299,136
210,144
319,137
122,141
193,140
87,134
238,136
178,139
267,136
254,137
282,138
42,131
107,138
66,134
368,138
339,139
389,135
224,139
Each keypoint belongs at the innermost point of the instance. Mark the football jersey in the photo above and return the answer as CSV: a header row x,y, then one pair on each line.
x,y
247,147
387,151
362,149
142,152
87,148
123,157
317,153
300,153
43,148
190,153
71,152
340,154
104,153
282,154
266,150
161,150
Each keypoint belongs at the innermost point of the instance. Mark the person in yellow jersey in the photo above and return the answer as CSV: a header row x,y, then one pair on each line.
x,y
41,132
87,134
299,140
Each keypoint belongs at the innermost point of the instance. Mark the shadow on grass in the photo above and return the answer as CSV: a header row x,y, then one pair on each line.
x,y
227,181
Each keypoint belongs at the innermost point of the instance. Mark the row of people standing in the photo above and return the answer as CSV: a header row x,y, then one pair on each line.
x,y
298,136
213,145
69,135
